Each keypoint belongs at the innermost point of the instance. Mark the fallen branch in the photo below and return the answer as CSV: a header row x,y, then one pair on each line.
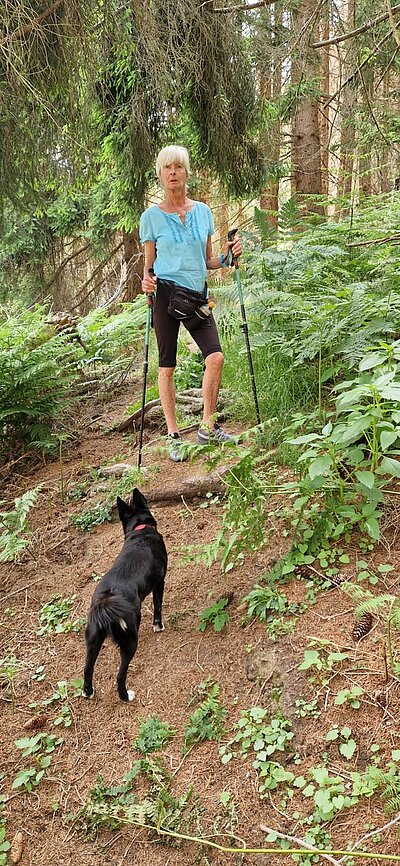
x,y
192,397
127,423
389,239
301,843
191,488
23,588
378,830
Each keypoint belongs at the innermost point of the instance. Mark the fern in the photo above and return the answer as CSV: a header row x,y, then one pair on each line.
x,y
116,805
388,784
207,721
373,605
36,373
15,536
243,527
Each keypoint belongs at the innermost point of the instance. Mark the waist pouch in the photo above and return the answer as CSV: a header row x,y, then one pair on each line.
x,y
189,307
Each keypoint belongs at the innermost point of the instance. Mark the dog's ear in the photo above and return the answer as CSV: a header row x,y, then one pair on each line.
x,y
124,510
137,499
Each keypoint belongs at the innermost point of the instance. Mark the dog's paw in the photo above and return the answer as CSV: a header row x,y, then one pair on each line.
x,y
157,627
84,695
131,695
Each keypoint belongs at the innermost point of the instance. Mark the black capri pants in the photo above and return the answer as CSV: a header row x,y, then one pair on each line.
x,y
167,328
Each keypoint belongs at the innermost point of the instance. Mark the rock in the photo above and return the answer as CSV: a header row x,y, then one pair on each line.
x,y
116,470
261,663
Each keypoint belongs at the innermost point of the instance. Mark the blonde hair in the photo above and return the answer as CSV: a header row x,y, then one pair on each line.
x,y
170,154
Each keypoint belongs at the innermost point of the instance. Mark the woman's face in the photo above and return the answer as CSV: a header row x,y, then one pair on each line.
x,y
174,177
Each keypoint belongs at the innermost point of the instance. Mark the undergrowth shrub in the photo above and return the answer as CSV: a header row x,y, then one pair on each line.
x,y
106,335
314,304
36,373
15,534
143,797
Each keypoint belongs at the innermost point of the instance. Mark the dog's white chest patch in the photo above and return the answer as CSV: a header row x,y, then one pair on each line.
x,y
123,624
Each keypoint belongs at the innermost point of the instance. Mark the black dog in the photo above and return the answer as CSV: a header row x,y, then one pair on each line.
x,y
115,608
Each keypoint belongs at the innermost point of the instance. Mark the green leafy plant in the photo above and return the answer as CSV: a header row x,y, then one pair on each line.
x,y
263,739
214,615
343,465
265,601
320,657
243,525
54,616
207,722
307,709
328,793
10,666
4,844
41,747
144,796
347,746
189,371
92,517
153,735
36,373
270,605
16,532
61,694
349,696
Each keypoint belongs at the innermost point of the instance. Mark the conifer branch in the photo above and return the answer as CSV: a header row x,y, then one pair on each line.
x,y
27,28
367,26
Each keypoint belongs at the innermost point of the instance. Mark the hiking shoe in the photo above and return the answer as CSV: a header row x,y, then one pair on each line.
x,y
176,452
206,436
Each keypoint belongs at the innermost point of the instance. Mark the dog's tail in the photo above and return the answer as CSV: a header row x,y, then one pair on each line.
x,y
112,614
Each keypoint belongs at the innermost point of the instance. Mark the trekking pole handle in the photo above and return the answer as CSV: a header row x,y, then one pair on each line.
x,y
150,297
232,260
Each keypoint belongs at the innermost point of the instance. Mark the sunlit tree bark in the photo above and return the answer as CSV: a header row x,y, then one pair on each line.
x,y
306,145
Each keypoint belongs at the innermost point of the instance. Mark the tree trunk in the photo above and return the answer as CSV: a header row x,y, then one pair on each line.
x,y
365,145
132,265
271,86
306,146
347,122
324,113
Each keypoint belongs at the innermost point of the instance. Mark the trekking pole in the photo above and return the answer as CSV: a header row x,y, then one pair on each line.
x,y
149,324
233,260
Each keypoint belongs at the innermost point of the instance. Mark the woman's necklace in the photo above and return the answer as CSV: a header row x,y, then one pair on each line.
x,y
181,211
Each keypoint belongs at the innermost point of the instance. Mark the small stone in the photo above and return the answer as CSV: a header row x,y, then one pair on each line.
x,y
117,469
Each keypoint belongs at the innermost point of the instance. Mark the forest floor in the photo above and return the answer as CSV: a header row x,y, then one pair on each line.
x,y
251,669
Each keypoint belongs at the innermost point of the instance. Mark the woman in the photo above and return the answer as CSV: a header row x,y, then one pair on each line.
x,y
176,235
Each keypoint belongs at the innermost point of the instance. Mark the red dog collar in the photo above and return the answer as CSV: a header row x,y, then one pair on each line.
x,y
143,526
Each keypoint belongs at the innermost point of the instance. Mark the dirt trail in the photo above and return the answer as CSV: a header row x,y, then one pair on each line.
x,y
250,669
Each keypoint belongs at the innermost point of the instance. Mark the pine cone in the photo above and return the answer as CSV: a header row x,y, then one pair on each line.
x,y
338,579
363,626
303,571
228,596
380,697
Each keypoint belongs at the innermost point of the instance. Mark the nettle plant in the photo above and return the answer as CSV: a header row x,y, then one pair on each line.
x,y
40,748
320,659
14,526
346,464
54,616
265,739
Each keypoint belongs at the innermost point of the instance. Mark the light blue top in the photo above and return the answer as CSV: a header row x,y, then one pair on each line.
x,y
180,248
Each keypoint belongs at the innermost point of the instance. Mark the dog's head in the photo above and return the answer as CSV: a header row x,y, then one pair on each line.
x,y
134,512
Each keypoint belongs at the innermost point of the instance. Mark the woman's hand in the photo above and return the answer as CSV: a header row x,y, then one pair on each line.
x,y
235,246
149,284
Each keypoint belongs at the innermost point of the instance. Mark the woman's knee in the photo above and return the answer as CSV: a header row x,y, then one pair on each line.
x,y
214,361
166,374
